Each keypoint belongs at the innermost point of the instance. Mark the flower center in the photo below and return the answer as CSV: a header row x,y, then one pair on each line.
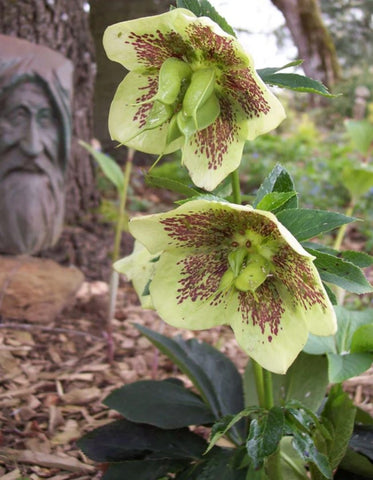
x,y
250,262
186,98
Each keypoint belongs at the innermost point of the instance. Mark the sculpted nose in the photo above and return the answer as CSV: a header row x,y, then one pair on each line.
x,y
31,142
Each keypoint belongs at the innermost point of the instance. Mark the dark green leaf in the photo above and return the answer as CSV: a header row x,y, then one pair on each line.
x,y
299,83
123,440
159,403
305,447
203,8
170,184
355,464
317,345
306,223
360,259
343,367
265,72
295,385
110,168
338,271
213,374
141,469
340,412
279,180
264,437
292,466
217,465
362,440
273,201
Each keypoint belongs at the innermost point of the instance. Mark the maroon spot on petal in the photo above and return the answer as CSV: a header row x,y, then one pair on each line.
x,y
149,90
264,311
297,274
213,47
213,142
270,338
153,49
241,86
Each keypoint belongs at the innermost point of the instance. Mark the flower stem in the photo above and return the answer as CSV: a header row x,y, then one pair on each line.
x,y
342,229
236,189
114,279
268,389
258,374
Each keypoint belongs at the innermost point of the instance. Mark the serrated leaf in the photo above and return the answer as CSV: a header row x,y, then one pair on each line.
x,y
222,426
109,167
360,259
160,403
264,72
305,447
299,83
170,184
272,202
344,274
203,8
340,412
264,437
279,180
306,223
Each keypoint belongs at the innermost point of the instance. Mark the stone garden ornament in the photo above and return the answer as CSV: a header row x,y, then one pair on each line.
x,y
35,133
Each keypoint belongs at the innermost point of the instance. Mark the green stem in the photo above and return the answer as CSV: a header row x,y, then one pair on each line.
x,y
268,389
339,292
259,384
122,204
114,278
342,229
273,466
236,189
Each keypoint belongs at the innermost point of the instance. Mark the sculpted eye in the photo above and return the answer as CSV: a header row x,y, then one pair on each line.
x,y
45,117
19,116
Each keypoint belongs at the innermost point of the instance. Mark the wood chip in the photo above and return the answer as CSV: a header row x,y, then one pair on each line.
x,y
48,460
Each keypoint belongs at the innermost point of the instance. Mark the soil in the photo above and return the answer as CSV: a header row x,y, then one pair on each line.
x,y
54,377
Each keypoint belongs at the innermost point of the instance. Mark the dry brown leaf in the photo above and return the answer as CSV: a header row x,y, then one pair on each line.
x,y
14,475
81,396
48,460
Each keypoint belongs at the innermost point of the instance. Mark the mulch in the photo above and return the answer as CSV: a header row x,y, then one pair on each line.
x,y
54,377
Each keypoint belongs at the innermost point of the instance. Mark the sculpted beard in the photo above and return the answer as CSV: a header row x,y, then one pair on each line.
x,y
31,206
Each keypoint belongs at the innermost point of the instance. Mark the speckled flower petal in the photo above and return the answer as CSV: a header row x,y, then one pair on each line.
x,y
139,268
194,225
210,155
184,289
127,117
271,328
145,43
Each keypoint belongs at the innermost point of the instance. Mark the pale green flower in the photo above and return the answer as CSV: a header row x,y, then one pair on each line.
x,y
228,264
139,268
191,86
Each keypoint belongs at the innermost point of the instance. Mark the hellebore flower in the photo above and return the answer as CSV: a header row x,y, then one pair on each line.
x,y
228,264
139,268
191,86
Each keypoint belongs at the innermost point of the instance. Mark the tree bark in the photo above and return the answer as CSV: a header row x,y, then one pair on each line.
x,y
62,25
312,39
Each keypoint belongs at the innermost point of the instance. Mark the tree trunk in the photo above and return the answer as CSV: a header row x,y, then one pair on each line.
x,y
62,25
311,37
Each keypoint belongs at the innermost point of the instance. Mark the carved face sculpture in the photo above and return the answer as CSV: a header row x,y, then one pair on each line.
x,y
31,182
34,145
